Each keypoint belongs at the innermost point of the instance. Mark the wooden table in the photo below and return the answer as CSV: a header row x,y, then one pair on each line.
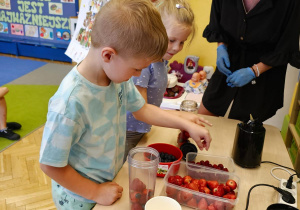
x,y
223,133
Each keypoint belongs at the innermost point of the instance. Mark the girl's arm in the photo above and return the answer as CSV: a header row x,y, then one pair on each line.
x,y
155,116
105,194
143,92
191,117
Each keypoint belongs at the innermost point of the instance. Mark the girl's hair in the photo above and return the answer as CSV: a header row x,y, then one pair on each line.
x,y
132,28
180,10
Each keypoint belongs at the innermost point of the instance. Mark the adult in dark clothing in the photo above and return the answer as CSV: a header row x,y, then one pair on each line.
x,y
256,42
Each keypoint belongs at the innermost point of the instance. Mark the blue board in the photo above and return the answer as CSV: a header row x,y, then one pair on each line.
x,y
40,23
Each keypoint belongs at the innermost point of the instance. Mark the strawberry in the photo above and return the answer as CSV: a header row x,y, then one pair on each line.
x,y
137,185
148,193
231,183
202,205
179,197
170,191
143,199
219,205
196,182
212,184
178,180
171,179
136,206
192,203
205,190
226,188
230,196
186,196
187,179
135,197
203,182
218,191
211,207
193,186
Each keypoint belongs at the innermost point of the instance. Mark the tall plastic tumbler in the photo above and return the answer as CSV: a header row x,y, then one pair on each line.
x,y
142,163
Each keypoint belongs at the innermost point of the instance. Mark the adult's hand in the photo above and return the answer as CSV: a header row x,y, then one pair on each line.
x,y
240,77
223,62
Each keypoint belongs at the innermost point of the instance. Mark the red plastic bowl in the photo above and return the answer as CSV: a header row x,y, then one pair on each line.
x,y
170,149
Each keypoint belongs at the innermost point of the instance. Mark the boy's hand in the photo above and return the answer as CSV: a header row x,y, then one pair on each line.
x,y
195,118
200,135
107,193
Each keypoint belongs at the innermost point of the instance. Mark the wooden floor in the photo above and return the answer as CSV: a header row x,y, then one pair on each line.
x,y
22,183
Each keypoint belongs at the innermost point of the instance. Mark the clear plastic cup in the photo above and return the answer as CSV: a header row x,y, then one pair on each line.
x,y
142,163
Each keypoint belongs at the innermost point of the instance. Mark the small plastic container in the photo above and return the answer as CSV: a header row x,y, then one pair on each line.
x,y
170,149
193,158
180,193
142,175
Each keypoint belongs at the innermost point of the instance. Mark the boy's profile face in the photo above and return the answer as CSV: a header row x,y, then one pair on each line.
x,y
119,69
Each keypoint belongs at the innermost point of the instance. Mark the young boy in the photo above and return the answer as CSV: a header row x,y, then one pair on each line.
x,y
84,138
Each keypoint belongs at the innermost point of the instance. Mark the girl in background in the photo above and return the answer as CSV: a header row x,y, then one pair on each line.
x,y
178,19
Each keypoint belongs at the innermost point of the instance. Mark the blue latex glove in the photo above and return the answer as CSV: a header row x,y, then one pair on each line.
x,y
223,62
240,77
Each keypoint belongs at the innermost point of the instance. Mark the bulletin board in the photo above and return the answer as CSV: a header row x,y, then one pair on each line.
x,y
39,22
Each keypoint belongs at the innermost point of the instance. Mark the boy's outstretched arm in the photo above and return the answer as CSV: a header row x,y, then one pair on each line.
x,y
156,116
105,194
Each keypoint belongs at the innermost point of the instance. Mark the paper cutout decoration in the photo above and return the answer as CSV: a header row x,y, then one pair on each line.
x,y
17,29
31,31
46,33
3,27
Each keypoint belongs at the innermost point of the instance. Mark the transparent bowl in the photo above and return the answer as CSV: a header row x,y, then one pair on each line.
x,y
193,158
179,192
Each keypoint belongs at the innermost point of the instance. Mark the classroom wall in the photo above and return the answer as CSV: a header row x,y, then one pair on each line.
x,y
199,47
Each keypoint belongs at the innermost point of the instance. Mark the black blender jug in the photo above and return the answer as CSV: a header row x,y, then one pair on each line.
x,y
248,143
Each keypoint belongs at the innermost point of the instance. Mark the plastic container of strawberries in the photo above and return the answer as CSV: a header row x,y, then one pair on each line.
x,y
210,162
193,198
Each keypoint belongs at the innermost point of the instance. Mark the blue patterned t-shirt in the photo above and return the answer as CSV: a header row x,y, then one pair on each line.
x,y
155,79
86,127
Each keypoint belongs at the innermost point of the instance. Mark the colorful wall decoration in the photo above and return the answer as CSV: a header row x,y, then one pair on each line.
x,y
41,21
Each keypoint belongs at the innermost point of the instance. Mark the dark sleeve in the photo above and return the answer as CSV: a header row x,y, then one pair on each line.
x,y
287,48
213,31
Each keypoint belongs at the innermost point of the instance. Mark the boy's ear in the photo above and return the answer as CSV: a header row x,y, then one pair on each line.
x,y
106,53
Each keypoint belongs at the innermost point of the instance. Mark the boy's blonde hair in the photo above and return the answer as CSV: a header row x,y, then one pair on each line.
x,y
180,10
132,28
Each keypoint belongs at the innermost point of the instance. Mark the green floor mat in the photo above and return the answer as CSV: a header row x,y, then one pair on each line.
x,y
27,105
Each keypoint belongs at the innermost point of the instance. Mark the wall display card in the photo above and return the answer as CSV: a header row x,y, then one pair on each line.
x,y
68,1
46,33
80,43
5,4
3,27
55,8
31,31
63,34
17,29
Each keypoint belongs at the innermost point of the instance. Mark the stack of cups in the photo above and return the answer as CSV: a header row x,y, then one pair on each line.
x,y
143,164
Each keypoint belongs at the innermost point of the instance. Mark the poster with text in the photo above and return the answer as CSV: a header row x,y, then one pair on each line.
x,y
37,21
81,40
